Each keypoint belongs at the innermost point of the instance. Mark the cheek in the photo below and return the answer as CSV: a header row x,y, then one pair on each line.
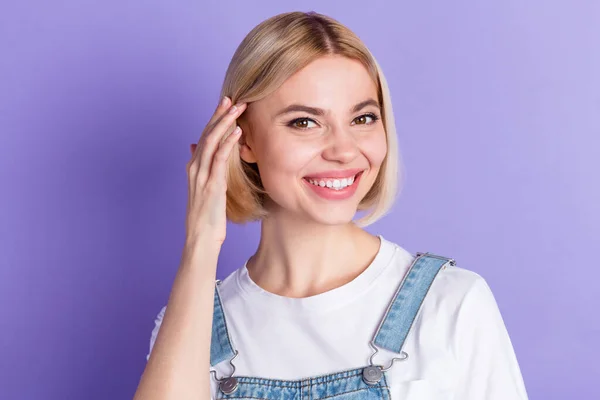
x,y
281,162
375,149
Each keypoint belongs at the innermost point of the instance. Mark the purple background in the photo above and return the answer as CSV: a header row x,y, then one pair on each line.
x,y
498,115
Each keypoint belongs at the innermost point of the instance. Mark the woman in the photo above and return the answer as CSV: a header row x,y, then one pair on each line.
x,y
323,308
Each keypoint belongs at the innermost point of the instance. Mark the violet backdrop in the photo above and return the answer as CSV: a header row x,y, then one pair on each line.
x,y
498,115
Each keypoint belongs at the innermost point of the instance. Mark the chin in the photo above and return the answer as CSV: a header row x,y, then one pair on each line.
x,y
334,215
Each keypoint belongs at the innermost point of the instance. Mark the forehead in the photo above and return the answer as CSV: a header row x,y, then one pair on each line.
x,y
332,83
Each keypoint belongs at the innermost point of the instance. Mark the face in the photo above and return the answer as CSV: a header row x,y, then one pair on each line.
x,y
318,141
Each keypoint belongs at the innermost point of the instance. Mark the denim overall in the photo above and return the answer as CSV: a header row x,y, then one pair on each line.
x,y
367,382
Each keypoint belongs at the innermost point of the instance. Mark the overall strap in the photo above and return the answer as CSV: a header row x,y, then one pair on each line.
x,y
407,301
220,346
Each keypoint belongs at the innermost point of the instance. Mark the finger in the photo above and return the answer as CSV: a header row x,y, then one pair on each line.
x,y
215,136
221,110
224,124
210,142
219,162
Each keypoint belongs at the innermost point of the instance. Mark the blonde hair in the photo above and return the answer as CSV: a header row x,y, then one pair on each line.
x,y
272,52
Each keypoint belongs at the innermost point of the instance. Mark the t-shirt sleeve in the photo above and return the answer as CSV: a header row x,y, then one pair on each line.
x,y
487,361
157,323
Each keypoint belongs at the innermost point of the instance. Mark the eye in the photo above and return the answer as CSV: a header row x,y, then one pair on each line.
x,y
301,123
363,119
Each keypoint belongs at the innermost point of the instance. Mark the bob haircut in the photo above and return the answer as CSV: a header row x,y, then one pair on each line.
x,y
272,52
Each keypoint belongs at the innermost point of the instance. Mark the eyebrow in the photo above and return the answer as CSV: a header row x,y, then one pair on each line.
x,y
321,112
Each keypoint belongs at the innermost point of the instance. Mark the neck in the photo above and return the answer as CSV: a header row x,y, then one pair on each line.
x,y
300,258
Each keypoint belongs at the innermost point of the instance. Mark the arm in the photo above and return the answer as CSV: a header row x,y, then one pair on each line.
x,y
178,366
487,361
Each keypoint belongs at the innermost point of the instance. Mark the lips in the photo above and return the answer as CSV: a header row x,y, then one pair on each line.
x,y
328,193
335,174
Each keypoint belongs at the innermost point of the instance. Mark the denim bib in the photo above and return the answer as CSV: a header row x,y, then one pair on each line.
x,y
366,382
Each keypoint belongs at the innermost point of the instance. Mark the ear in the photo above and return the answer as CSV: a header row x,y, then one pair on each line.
x,y
247,154
246,147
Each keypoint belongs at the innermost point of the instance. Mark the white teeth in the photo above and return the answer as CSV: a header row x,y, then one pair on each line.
x,y
335,184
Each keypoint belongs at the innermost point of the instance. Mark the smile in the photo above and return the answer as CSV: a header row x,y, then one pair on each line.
x,y
335,188
333,183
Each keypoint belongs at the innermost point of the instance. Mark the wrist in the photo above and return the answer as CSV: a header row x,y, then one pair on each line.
x,y
202,249
202,242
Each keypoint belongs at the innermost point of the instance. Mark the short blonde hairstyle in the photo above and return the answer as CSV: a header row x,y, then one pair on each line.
x,y
272,52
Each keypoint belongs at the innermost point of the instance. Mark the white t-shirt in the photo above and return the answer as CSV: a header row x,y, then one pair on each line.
x,y
458,346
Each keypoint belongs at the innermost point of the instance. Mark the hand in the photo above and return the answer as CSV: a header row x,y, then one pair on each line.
x,y
205,216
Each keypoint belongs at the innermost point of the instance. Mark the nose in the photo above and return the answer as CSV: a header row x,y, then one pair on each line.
x,y
341,146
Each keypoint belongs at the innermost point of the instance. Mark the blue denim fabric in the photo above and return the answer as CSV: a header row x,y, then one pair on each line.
x,y
343,385
220,346
407,302
346,385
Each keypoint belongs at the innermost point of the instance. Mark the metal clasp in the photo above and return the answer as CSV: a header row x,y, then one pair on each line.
x,y
230,383
373,373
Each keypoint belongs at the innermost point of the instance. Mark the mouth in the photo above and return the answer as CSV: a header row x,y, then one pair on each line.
x,y
336,184
334,188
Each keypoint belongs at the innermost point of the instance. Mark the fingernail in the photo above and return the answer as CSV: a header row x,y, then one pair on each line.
x,y
224,101
237,130
232,110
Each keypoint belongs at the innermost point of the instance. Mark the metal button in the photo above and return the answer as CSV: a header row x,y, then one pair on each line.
x,y
229,385
372,375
